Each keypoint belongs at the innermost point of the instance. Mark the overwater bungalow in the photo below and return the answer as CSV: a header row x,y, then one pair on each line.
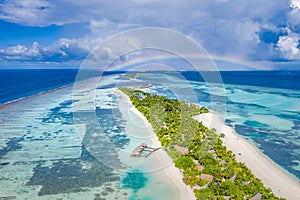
x,y
138,150
141,149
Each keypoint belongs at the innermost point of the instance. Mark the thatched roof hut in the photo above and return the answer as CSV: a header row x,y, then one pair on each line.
x,y
223,162
233,177
206,177
199,167
181,149
257,196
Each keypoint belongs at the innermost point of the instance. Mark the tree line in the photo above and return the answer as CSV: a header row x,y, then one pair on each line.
x,y
208,167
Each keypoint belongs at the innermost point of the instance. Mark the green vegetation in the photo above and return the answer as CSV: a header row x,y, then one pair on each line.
x,y
134,75
131,76
207,165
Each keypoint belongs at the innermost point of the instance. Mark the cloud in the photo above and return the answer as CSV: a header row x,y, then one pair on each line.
x,y
26,12
20,52
295,4
294,16
289,46
63,50
250,30
105,28
46,12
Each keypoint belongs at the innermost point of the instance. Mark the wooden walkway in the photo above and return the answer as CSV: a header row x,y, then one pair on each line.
x,y
143,151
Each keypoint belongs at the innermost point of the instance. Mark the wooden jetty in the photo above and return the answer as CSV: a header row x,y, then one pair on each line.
x,y
143,150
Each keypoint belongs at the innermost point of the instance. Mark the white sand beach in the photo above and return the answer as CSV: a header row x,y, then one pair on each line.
x,y
170,172
274,177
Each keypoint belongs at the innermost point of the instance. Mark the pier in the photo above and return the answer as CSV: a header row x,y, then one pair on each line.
x,y
143,150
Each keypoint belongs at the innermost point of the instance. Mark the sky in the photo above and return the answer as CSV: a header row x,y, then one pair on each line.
x,y
237,34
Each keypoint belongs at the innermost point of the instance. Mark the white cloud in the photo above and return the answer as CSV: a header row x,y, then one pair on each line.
x,y
63,50
26,12
295,4
288,46
224,27
294,15
105,28
20,52
47,12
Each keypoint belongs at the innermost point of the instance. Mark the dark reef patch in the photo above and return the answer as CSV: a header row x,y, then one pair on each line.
x,y
245,105
112,126
257,124
296,126
107,86
134,180
8,198
229,122
243,130
4,163
58,114
11,145
279,151
72,175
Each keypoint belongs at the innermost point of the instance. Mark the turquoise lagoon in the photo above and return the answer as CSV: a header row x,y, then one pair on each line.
x,y
66,145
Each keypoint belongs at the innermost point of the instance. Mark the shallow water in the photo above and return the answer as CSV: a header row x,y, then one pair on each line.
x,y
65,145
44,155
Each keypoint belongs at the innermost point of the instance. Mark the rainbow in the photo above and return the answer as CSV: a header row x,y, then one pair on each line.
x,y
222,63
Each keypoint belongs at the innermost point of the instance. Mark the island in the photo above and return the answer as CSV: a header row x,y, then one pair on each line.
x,y
207,166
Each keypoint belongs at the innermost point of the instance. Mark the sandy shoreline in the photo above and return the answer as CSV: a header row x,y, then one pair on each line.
x,y
281,183
171,172
274,177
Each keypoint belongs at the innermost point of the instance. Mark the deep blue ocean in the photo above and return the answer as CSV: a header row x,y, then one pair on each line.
x,y
270,79
16,84
19,83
